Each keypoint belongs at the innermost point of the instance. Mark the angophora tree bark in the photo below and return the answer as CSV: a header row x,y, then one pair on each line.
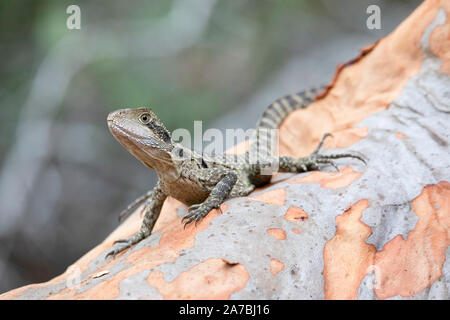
x,y
375,231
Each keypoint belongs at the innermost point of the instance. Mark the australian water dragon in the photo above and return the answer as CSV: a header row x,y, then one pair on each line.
x,y
203,182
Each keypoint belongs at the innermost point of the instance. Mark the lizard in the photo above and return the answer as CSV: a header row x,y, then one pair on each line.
x,y
203,182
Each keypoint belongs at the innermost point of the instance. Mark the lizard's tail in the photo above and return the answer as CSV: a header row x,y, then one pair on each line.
x,y
261,147
275,113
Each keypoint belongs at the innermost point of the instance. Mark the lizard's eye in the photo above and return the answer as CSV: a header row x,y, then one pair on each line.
x,y
144,118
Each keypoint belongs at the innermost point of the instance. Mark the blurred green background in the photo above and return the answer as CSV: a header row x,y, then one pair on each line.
x,y
63,178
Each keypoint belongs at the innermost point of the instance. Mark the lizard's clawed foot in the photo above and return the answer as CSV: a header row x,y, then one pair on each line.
x,y
127,243
314,159
196,212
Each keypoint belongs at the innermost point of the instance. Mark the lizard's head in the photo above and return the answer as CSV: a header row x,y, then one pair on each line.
x,y
141,133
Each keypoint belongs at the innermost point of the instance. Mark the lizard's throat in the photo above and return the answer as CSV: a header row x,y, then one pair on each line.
x,y
154,158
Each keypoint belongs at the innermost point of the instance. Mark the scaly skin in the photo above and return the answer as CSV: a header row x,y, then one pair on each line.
x,y
205,182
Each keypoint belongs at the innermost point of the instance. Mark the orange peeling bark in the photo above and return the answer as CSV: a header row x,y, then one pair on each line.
x,y
409,266
401,135
332,180
345,138
277,233
295,214
276,266
175,238
210,279
440,40
347,256
353,96
275,197
404,267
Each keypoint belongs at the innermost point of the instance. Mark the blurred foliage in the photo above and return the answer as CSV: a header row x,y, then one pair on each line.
x,y
243,43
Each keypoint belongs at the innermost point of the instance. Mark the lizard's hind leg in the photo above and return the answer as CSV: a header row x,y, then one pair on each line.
x,y
312,162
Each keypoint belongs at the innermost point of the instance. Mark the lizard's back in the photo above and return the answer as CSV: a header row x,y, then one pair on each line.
x,y
261,146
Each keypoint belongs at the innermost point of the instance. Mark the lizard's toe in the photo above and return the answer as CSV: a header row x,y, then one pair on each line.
x,y
330,162
118,250
126,243
313,161
196,215
122,240
194,207
188,219
339,156
191,214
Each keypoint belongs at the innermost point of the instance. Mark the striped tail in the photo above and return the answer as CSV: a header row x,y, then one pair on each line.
x,y
261,148
282,107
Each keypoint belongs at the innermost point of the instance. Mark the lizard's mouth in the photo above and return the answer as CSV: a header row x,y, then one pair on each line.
x,y
145,148
134,136
123,128
123,134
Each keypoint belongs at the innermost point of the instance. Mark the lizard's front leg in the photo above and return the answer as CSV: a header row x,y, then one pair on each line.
x,y
312,162
217,196
153,207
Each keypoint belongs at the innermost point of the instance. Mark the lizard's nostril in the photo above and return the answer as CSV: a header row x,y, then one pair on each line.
x,y
111,116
